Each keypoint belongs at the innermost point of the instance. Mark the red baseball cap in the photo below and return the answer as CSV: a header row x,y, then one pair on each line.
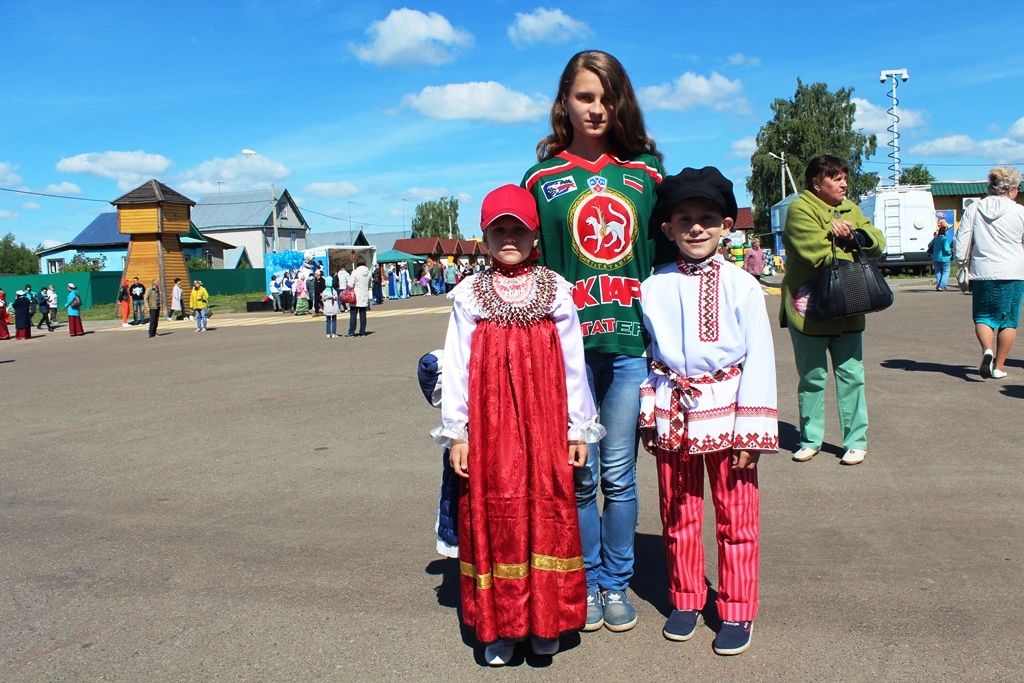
x,y
509,200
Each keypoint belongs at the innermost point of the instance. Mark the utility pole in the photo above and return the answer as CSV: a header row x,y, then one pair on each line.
x,y
273,212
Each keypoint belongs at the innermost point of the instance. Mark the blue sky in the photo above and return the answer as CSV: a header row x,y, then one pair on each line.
x,y
357,106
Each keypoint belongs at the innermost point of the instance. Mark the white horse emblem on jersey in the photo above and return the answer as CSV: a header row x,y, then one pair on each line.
x,y
607,233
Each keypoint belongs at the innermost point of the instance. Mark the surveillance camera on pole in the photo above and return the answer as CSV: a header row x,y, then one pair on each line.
x,y
895,75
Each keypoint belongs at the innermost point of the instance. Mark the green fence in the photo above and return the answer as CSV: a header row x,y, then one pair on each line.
x,y
12,283
101,287
235,281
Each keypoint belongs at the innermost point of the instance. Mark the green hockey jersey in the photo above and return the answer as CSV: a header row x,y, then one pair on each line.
x,y
594,232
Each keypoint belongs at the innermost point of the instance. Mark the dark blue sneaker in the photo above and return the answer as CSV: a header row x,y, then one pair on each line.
x,y
681,624
733,638
619,613
595,610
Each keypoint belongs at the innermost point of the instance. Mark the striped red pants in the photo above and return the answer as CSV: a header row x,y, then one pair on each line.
x,y
737,528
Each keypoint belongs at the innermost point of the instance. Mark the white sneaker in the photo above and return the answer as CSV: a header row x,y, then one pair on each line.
x,y
854,456
125,325
545,647
805,454
499,653
998,374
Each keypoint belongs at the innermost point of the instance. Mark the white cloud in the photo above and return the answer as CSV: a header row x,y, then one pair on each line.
x,y
233,174
4,213
46,244
63,188
425,194
336,190
999,150
740,59
1017,129
408,36
8,177
744,147
30,206
481,100
129,169
873,119
544,25
716,92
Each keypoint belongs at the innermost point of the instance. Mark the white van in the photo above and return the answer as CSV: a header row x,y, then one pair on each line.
x,y
906,216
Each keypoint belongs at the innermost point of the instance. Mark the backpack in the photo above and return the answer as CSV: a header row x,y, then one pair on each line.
x,y
76,302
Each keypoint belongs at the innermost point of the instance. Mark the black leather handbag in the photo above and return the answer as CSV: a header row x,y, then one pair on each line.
x,y
845,288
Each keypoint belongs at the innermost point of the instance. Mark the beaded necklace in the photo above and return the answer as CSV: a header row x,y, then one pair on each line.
x,y
520,299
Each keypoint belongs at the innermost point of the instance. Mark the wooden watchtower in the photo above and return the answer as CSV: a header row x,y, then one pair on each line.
x,y
155,216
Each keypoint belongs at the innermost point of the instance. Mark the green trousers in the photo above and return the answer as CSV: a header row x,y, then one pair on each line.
x,y
847,354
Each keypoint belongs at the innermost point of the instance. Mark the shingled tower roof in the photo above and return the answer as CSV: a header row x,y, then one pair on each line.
x,y
152,192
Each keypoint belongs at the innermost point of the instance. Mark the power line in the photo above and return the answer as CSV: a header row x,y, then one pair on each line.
x,y
55,196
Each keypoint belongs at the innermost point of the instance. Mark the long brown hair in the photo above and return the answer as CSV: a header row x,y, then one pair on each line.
x,y
627,134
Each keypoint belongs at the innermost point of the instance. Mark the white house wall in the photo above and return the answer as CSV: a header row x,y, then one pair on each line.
x,y
252,240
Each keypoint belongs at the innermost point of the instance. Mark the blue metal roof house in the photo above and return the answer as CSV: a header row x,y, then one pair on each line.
x,y
102,239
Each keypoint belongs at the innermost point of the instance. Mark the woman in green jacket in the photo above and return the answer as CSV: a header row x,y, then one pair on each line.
x,y
820,215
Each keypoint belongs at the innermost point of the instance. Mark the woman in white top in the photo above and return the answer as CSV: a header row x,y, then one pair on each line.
x,y
990,243
360,282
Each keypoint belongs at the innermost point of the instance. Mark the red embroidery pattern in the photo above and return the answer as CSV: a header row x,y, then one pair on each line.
x,y
712,413
709,444
709,273
756,411
757,442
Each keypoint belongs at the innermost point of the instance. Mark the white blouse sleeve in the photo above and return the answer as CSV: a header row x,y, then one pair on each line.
x,y
583,424
757,418
454,399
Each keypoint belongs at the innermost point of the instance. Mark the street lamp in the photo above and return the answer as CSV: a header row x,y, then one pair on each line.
x,y
404,200
273,198
350,219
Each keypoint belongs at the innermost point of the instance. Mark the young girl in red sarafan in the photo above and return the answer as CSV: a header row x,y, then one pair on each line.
x,y
518,415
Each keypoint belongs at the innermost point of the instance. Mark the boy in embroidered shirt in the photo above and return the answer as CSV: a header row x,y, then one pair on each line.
x,y
518,415
710,399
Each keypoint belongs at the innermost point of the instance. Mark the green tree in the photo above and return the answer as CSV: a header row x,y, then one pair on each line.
x,y
815,121
917,174
80,263
197,263
436,218
17,259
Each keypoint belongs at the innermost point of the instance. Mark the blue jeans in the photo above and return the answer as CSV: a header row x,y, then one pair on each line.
x,y
941,273
332,324
608,536
138,310
200,314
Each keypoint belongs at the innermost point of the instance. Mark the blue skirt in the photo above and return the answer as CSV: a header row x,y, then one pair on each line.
x,y
996,303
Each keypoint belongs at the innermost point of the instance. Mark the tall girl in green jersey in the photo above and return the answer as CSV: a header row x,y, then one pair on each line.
x,y
595,190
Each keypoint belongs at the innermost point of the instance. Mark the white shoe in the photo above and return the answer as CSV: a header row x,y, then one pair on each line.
x,y
998,374
125,325
805,454
499,653
545,647
854,456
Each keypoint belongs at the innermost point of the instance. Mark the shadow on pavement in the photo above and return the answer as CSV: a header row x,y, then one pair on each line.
x,y
1013,390
964,372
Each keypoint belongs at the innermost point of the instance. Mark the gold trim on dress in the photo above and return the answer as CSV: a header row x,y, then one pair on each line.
x,y
511,571
556,564
483,581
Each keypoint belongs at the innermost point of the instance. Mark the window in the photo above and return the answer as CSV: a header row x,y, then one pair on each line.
x,y
54,265
291,240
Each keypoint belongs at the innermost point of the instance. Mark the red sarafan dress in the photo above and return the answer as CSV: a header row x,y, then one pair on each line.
x,y
515,386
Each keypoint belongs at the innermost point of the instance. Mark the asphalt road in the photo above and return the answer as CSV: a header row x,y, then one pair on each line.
x,y
257,503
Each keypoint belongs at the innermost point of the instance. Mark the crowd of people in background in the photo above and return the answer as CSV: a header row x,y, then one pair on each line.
x,y
27,304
